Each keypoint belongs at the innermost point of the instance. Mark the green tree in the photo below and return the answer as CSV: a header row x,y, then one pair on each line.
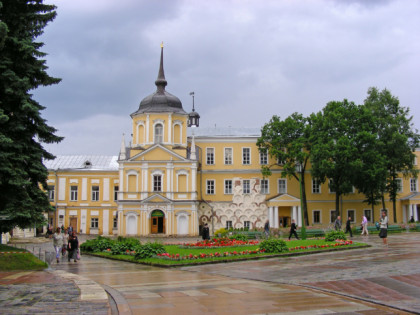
x,y
288,142
397,138
22,129
333,146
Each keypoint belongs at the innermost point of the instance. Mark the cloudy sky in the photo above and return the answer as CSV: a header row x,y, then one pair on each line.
x,y
245,60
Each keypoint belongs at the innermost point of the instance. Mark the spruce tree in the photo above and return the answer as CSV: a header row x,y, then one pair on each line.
x,y
23,177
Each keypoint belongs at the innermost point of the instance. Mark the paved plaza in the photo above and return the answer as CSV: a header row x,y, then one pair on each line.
x,y
339,282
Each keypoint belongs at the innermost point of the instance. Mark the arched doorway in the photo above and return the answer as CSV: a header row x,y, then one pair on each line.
x,y
182,224
157,222
131,224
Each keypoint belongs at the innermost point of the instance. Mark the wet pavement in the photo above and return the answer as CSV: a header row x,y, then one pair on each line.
x,y
388,276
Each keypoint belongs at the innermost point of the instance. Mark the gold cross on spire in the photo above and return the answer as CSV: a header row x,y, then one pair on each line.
x,y
161,45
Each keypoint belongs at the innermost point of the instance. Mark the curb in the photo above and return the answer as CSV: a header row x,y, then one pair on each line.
x,y
122,304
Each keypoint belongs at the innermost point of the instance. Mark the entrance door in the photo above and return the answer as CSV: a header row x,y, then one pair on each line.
x,y
158,222
73,223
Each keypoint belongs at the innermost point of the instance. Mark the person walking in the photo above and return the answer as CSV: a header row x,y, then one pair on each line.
x,y
337,223
58,241
364,226
383,233
267,228
293,229
348,227
73,247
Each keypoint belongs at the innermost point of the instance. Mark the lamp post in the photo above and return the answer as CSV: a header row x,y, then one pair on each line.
x,y
302,214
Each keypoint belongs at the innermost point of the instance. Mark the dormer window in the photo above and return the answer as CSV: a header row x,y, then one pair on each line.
x,y
158,133
87,164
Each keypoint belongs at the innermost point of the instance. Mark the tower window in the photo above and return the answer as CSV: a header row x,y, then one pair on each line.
x,y
158,133
157,182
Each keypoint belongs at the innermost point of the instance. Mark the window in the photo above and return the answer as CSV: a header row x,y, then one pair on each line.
x,y
95,193
158,133
116,188
280,161
282,186
351,214
157,182
228,186
228,225
316,186
317,216
368,214
115,223
51,192
246,186
73,193
94,223
264,186
330,183
246,156
210,156
333,216
228,156
210,187
247,225
413,184
263,157
399,183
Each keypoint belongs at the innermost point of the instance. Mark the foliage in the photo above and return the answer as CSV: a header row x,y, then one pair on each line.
x,y
20,260
288,142
123,245
239,237
149,250
222,231
273,245
22,129
98,244
331,236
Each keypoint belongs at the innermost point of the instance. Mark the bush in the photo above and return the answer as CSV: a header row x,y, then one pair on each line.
x,y
331,236
274,246
122,245
239,237
149,250
96,245
221,231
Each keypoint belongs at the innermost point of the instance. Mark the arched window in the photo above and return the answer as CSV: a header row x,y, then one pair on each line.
x,y
158,133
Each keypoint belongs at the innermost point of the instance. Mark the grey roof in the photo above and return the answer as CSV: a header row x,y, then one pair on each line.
x,y
81,162
412,196
225,132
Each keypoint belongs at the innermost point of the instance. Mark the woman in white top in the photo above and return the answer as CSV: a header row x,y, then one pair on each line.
x,y
383,233
58,241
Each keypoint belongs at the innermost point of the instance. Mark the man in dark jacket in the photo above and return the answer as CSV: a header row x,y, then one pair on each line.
x,y
293,229
206,232
348,227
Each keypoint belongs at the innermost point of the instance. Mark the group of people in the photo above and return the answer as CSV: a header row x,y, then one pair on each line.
x,y
66,242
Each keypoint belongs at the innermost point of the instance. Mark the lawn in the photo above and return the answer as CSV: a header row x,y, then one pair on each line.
x,y
18,259
296,247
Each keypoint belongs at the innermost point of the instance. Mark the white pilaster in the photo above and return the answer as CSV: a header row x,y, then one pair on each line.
x,y
105,194
193,181
105,222
84,188
62,189
147,129
170,129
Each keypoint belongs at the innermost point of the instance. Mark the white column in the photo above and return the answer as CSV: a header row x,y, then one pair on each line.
x,y
414,211
299,217
276,217
120,221
270,216
121,186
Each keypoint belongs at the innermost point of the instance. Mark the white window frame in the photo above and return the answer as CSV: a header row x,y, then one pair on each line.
x,y
263,157
210,156
156,134
51,192
318,184
247,224
413,185
95,193
369,218
246,186
282,180
208,191
228,192
354,215
74,193
226,157
155,181
94,223
265,191
399,185
229,224
115,223
246,158
320,216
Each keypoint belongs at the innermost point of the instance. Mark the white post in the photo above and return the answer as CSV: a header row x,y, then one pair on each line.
x,y
270,216
276,217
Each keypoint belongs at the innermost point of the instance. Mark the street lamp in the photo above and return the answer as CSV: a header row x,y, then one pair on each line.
x,y
302,214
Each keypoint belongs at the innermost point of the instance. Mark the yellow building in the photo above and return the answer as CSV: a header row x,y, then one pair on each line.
x,y
168,181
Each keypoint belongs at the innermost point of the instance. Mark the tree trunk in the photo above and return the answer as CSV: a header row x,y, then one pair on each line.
x,y
394,209
337,203
305,204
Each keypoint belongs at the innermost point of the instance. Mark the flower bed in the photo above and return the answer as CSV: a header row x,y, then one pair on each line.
x,y
338,243
219,242
203,255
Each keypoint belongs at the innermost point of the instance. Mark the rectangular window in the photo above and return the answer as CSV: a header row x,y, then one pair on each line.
x,y
264,186
246,186
316,186
228,156
399,185
228,186
51,192
263,157
228,225
368,214
157,182
246,156
247,225
333,216
317,216
413,184
116,188
115,223
332,190
282,186
94,223
73,193
210,156
210,187
352,215
95,193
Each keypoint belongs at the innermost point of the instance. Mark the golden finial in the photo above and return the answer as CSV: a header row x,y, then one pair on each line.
x,y
161,45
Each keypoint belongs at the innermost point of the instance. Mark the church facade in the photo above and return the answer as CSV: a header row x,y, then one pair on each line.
x,y
168,180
